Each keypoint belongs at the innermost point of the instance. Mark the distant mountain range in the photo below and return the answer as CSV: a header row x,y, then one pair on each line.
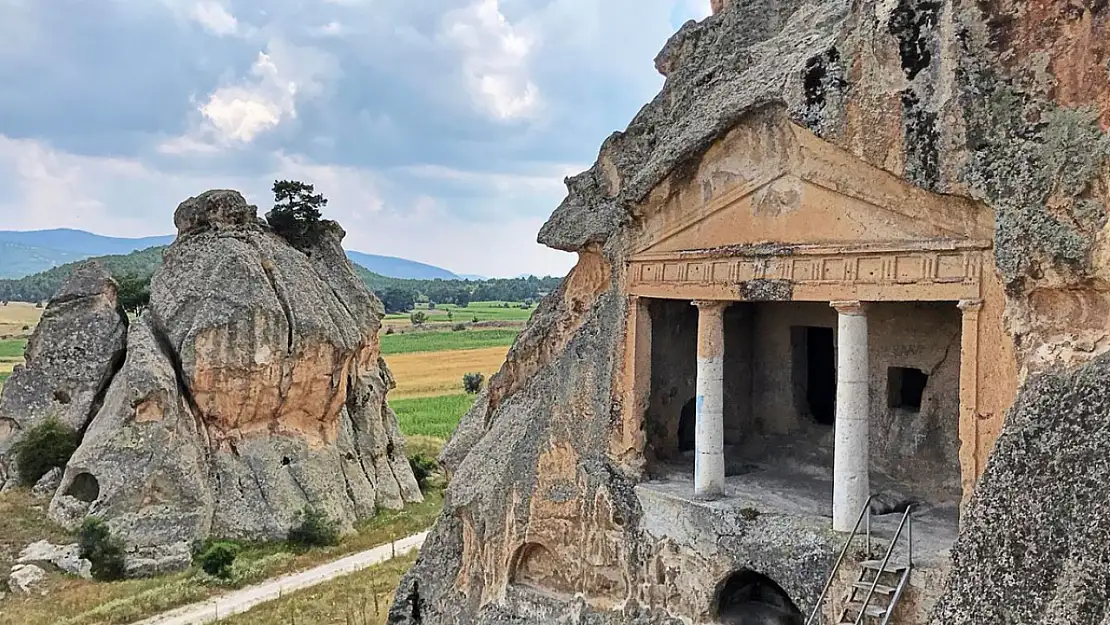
x,y
24,253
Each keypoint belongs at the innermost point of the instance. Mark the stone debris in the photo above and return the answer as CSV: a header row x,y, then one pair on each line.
x,y
27,579
66,558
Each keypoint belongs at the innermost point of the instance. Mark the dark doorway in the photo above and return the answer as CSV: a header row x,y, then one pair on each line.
x,y
905,388
687,426
821,374
748,597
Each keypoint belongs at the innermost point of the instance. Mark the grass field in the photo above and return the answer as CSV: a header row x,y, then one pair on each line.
x,y
11,354
413,342
78,602
424,374
431,416
362,598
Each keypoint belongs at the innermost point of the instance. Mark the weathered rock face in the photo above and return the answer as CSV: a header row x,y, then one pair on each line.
x,y
997,101
252,388
71,358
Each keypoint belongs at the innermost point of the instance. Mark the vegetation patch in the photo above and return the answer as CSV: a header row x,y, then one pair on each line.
x,y
431,416
423,468
12,349
415,342
46,446
314,530
102,549
216,560
472,382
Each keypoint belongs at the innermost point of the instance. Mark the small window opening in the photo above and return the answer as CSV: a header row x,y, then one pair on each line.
x,y
906,386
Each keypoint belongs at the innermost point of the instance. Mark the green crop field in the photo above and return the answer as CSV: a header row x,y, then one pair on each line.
x,y
412,342
431,416
480,311
12,349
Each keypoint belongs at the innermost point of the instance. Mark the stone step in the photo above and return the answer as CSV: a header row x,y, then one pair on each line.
x,y
872,610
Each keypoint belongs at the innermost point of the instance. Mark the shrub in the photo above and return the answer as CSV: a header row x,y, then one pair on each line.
x,y
474,320
314,530
103,550
423,468
450,317
458,327
389,330
46,446
472,382
431,305
418,318
218,558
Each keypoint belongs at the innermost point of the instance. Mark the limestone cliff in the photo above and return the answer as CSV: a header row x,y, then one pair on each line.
x,y
1001,102
252,387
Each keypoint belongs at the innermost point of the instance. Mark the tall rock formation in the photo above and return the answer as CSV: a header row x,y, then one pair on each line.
x,y
1002,102
252,388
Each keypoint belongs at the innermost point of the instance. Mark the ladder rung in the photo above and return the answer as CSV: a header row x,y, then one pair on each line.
x,y
879,590
872,610
875,565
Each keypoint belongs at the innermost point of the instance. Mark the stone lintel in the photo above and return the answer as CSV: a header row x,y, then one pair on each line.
x,y
849,307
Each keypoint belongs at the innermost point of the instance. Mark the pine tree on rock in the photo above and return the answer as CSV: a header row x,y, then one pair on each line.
x,y
296,215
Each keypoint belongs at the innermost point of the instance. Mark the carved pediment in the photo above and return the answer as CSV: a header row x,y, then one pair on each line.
x,y
771,181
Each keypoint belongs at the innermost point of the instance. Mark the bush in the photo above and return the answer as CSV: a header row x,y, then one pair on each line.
x,y
423,468
431,305
103,550
472,382
474,320
314,530
46,446
418,318
389,330
458,327
218,558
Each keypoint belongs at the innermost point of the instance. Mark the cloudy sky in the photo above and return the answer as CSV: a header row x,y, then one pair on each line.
x,y
441,130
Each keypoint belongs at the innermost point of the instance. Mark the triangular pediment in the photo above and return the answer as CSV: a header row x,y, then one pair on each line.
x,y
771,181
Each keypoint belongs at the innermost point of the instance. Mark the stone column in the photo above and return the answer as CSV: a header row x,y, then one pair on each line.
x,y
709,459
851,459
970,461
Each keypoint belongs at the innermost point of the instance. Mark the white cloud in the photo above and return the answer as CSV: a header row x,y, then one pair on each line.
x,y
215,18
280,79
51,188
494,59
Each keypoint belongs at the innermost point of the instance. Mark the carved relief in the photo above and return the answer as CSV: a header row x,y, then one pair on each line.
x,y
924,265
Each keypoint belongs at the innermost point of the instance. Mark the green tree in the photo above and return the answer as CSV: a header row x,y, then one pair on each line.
x,y
418,318
134,292
296,215
398,299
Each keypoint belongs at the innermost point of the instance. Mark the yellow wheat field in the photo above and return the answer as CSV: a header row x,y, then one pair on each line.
x,y
427,374
16,316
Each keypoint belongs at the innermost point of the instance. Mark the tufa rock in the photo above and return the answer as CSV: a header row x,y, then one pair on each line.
x,y
27,579
66,558
71,357
1001,102
252,388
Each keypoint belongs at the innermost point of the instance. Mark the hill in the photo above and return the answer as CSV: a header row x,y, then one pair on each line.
x,y
399,267
143,263
25,253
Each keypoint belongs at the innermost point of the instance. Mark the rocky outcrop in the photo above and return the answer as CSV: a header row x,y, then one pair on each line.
x,y
252,388
66,558
27,579
71,357
1001,102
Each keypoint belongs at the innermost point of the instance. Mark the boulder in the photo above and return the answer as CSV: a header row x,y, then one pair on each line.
x,y
71,357
27,579
252,388
48,483
66,558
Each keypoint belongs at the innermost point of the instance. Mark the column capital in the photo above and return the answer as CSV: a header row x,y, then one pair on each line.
x,y
711,304
970,305
849,307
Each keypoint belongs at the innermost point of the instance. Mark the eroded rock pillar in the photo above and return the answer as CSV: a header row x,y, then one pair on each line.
x,y
851,459
709,436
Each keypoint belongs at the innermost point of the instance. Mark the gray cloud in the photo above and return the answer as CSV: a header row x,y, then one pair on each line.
x,y
430,125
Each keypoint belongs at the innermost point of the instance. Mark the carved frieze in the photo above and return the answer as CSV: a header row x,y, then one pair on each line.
x,y
905,271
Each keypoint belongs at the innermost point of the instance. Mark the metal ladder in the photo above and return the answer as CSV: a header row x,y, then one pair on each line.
x,y
872,575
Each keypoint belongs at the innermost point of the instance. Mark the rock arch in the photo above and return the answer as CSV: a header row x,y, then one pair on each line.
x,y
749,598
535,566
